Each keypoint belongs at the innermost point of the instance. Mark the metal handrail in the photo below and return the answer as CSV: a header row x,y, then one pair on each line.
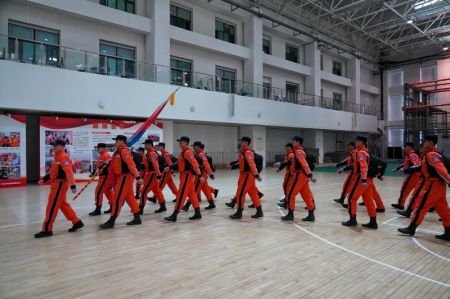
x,y
88,61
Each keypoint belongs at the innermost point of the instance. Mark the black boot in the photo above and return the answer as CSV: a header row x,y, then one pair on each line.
x,y
282,205
197,215
96,212
108,211
199,199
345,205
231,204
340,200
259,213
136,220
187,205
372,223
173,217
397,206
162,208
211,206
109,224
237,215
152,199
362,203
216,192
406,213
43,234
76,226
252,206
445,236
410,230
141,210
310,217
288,217
137,196
175,200
380,210
350,222
260,194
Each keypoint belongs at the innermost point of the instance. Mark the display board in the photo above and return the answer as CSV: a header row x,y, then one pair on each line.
x,y
81,135
12,151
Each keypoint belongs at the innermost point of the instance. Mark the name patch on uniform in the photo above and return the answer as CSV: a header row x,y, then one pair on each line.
x,y
361,158
413,158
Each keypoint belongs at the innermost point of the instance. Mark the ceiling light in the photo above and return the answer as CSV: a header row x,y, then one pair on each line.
x,y
445,48
409,22
425,3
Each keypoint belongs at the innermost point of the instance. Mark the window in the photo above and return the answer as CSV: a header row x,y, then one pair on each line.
x,y
225,31
321,62
117,60
33,44
337,68
180,71
180,17
337,101
266,45
267,87
225,80
123,5
292,90
291,53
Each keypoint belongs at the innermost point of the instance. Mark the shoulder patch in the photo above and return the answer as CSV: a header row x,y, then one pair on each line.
x,y
435,159
66,162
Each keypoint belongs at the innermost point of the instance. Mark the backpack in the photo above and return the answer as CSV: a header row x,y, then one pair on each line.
x,y
259,162
161,162
445,160
376,166
311,160
137,159
210,161
173,158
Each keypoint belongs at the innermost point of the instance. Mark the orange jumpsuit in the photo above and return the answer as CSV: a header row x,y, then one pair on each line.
x,y
125,171
167,178
246,181
206,171
287,175
188,168
151,175
412,180
141,173
299,182
60,176
348,181
360,168
102,187
434,189
377,198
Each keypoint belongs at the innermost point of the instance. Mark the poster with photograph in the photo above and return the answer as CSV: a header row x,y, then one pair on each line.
x,y
12,151
81,136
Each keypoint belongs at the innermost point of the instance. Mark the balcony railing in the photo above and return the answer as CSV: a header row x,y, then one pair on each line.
x,y
41,53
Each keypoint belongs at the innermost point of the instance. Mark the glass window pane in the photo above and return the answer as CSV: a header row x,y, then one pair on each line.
x,y
47,37
125,53
112,3
20,31
112,66
121,5
107,50
130,7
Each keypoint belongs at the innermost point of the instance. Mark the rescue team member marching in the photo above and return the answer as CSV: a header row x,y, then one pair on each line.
x,y
140,168
362,186
299,181
102,187
246,182
166,179
151,176
287,174
433,194
125,171
202,185
61,177
348,163
412,180
188,168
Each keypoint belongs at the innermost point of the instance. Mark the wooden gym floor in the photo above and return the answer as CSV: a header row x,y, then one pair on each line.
x,y
220,258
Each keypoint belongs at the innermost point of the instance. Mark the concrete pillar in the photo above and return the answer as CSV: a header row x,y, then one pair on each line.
x,y
258,136
157,42
354,73
312,59
313,139
32,147
253,67
168,135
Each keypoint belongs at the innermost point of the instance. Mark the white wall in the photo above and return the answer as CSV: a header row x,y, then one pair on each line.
x,y
329,88
367,75
205,61
279,78
74,32
328,62
279,41
370,99
329,142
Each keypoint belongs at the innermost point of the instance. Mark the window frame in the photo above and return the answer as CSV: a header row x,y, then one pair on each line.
x,y
229,24
177,6
233,81
265,37
117,58
292,96
340,69
116,6
188,79
294,47
267,87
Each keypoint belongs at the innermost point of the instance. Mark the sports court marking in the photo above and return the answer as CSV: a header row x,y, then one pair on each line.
x,y
368,258
430,251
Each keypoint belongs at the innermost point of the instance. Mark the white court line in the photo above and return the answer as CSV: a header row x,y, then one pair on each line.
x,y
429,250
387,221
419,229
368,258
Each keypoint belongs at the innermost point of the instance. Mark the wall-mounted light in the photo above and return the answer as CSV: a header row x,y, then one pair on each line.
x,y
445,48
409,22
